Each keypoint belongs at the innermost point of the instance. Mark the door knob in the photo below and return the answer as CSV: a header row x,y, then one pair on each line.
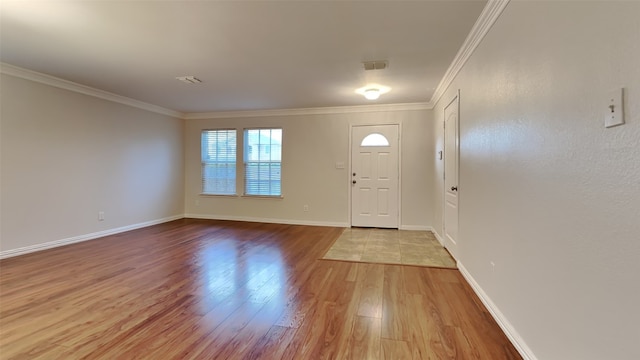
x,y
354,174
454,188
353,182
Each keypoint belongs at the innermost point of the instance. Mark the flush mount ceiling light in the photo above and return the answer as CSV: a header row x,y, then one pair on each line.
x,y
189,79
372,94
373,91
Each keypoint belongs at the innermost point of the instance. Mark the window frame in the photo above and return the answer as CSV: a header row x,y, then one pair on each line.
x,y
203,164
245,154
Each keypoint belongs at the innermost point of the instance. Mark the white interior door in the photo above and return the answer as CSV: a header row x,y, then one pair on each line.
x,y
374,176
451,146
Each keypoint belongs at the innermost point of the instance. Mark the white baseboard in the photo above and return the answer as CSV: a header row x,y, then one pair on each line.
x,y
416,228
515,338
266,220
440,239
86,237
294,222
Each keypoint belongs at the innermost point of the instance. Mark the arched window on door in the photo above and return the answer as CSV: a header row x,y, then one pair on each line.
x,y
375,139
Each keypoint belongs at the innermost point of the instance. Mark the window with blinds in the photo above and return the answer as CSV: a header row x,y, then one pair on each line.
x,y
263,162
219,162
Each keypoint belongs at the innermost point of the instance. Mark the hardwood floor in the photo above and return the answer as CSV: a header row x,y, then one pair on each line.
x,y
201,289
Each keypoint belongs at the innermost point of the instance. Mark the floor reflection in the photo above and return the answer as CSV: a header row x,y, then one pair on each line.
x,y
250,275
220,267
265,274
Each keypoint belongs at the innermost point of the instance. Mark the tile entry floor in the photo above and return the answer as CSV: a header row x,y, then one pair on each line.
x,y
390,246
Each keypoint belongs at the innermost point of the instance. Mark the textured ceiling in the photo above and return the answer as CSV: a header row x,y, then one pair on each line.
x,y
249,55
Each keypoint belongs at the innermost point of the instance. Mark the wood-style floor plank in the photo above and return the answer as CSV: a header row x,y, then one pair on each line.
x,y
203,289
364,339
371,280
395,349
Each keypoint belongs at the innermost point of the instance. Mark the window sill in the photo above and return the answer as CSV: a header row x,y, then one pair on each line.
x,y
243,196
220,195
262,196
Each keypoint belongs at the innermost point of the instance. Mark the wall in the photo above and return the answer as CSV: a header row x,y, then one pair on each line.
x,y
312,144
67,156
546,192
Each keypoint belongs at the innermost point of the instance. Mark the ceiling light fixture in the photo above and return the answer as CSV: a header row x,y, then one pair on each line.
x,y
189,79
372,94
373,91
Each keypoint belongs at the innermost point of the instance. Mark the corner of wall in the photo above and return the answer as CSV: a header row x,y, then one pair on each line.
x,y
511,333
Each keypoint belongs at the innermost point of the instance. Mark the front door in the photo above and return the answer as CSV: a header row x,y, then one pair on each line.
x,y
374,176
451,177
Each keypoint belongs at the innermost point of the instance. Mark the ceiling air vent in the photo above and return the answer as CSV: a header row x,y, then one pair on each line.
x,y
189,79
375,65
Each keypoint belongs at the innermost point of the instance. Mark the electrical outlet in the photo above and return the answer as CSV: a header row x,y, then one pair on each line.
x,y
100,215
305,208
493,266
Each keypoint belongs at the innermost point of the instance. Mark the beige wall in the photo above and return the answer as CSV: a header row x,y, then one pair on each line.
x,y
546,192
67,156
312,144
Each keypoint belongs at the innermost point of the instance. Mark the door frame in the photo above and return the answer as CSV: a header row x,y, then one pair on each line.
x,y
444,184
350,162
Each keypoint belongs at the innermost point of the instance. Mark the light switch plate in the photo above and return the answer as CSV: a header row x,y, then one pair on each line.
x,y
614,114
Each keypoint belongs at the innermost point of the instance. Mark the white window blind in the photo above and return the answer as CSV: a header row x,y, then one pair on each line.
x,y
263,162
219,162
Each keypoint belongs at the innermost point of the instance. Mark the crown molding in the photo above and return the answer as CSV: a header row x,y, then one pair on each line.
x,y
308,111
487,18
83,89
